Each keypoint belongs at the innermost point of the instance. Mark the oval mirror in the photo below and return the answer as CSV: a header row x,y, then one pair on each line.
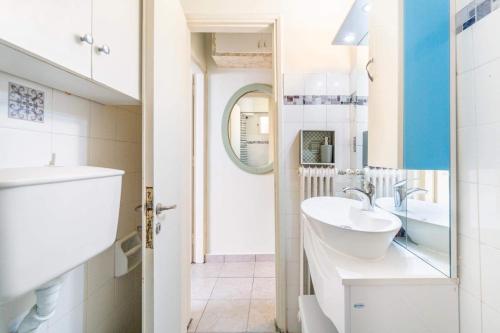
x,y
247,126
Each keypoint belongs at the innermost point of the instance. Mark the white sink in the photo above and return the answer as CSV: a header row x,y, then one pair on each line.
x,y
53,219
427,223
344,227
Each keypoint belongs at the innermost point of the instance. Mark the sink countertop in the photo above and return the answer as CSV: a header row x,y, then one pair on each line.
x,y
398,266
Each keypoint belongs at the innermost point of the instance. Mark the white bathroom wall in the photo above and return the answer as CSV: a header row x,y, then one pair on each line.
x,y
478,90
240,204
308,28
81,132
313,117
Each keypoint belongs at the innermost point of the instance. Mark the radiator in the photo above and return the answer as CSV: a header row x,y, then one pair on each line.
x,y
383,179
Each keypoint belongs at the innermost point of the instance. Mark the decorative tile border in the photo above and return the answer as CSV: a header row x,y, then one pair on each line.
x,y
475,11
26,103
325,99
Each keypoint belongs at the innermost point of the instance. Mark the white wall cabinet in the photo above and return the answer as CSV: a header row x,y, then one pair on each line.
x,y
51,31
385,116
116,28
242,43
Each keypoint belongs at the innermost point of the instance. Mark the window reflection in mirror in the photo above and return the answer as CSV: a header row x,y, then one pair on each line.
x,y
250,129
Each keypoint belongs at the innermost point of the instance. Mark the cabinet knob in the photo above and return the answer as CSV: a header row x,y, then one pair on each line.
x,y
87,38
104,49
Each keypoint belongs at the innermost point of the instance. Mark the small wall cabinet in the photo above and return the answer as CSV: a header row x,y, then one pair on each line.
x,y
99,40
409,86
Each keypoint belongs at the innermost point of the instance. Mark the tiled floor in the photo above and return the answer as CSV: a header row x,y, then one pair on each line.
x,y
233,297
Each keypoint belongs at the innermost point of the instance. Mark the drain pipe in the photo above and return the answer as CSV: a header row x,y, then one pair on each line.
x,y
45,307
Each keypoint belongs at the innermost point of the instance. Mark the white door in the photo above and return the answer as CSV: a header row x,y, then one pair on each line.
x,y
167,166
116,58
50,29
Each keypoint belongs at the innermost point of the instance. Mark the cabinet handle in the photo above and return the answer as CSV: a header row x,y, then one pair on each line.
x,y
87,38
104,49
368,70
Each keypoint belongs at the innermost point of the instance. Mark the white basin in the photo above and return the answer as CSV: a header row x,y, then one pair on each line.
x,y
344,227
53,219
427,223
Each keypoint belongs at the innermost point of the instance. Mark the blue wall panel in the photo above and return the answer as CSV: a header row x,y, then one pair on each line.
x,y
426,84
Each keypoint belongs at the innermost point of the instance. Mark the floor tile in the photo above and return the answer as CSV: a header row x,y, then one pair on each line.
x,y
197,308
265,269
232,288
201,288
208,270
238,269
239,258
224,316
264,288
261,316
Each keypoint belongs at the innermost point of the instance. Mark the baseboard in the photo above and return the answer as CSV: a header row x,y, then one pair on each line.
x,y
218,258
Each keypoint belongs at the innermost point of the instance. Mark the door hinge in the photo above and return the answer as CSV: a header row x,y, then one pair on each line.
x,y
149,211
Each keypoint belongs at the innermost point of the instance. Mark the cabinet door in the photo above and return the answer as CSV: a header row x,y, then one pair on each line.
x,y
50,29
117,37
241,43
385,117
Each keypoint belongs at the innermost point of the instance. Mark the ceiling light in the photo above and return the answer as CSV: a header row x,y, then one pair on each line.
x,y
367,7
349,38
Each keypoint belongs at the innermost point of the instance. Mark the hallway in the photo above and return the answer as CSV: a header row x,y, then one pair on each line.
x,y
233,297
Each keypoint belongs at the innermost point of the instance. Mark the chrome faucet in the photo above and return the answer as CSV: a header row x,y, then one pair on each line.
x,y
367,195
401,194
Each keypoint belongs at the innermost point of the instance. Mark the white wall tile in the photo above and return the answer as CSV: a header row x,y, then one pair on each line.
x,y
100,270
293,84
126,126
102,153
465,50
487,91
315,113
468,216
337,113
469,265
467,154
490,275
73,321
485,31
73,292
102,121
466,112
315,84
460,4
488,141
293,114
70,150
337,84
5,121
491,320
489,215
71,114
470,313
100,306
22,148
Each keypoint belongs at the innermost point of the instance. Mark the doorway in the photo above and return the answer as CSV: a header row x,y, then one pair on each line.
x,y
234,279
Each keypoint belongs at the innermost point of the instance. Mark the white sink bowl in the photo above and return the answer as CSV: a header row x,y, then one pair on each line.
x,y
344,227
427,223
53,219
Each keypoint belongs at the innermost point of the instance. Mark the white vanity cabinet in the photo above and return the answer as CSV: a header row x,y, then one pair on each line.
x,y
399,293
94,40
50,29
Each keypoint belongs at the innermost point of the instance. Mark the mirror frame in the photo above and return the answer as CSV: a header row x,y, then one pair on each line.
x,y
255,87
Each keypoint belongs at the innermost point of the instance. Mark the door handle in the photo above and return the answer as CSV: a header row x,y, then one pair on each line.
x,y
160,208
368,70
